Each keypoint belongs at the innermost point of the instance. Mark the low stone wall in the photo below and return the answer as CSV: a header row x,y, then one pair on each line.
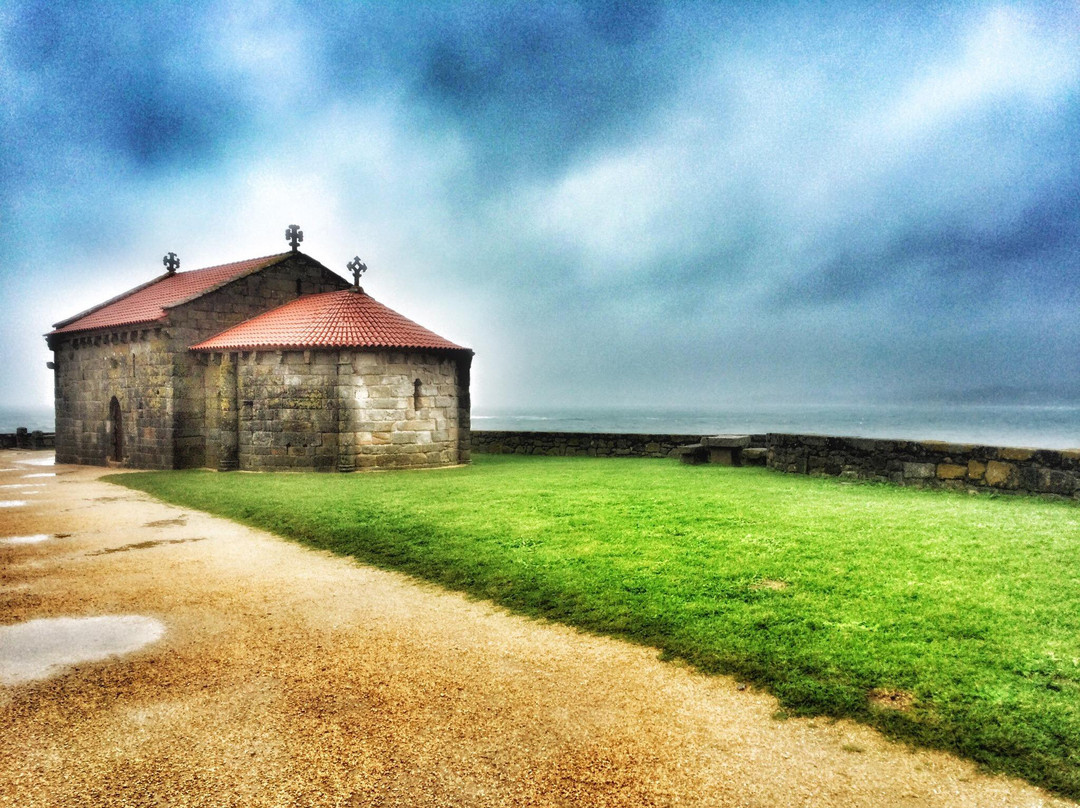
x,y
579,444
24,439
932,464
929,464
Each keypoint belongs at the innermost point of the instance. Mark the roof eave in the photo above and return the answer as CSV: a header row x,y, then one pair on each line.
x,y
111,327
307,347
109,302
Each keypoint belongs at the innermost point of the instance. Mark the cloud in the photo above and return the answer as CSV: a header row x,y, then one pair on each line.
x,y
1005,54
132,79
611,202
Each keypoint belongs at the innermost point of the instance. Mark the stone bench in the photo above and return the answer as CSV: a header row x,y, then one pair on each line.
x,y
726,450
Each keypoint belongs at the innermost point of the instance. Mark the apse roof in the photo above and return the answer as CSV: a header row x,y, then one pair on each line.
x,y
344,319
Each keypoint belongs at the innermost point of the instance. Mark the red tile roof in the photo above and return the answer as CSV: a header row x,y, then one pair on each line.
x,y
343,319
148,303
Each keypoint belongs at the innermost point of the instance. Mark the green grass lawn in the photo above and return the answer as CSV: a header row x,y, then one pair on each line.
x,y
820,591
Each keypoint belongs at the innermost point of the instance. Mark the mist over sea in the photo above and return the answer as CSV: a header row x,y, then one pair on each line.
x,y
1049,426
11,418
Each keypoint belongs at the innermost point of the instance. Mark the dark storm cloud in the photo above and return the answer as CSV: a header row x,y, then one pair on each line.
x,y
1036,252
530,85
126,77
538,87
144,85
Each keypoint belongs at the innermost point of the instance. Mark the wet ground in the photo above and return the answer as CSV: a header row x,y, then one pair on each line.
x,y
49,646
261,673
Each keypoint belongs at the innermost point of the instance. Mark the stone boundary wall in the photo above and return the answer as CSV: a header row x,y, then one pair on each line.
x,y
579,444
928,464
932,464
24,439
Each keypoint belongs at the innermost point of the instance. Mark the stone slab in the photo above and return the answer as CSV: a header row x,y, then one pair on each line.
x,y
726,441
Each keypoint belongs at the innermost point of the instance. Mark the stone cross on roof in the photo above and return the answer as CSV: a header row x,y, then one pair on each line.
x,y
171,262
294,235
357,268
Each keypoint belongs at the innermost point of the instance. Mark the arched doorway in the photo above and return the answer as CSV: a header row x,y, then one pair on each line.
x,y
116,447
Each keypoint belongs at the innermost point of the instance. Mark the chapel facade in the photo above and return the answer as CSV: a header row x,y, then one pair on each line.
x,y
273,363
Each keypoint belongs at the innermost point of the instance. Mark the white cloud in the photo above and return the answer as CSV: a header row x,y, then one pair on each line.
x,y
1006,53
612,210
268,47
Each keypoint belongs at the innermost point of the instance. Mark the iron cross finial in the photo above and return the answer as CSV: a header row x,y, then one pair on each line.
x,y
294,235
171,262
357,268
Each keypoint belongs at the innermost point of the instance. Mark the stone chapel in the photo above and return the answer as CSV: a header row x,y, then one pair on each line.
x,y
272,363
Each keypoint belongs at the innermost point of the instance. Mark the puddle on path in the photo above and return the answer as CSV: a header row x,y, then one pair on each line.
x,y
23,485
40,474
38,461
38,537
179,521
12,503
142,545
38,649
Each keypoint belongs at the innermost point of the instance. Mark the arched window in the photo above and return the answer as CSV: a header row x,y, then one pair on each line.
x,y
116,446
416,395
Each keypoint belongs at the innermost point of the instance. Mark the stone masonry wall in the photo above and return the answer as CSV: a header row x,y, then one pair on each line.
x,y
567,444
133,365
329,410
930,463
287,415
395,423
23,438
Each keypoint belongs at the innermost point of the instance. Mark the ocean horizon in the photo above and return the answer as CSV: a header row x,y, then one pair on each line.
x,y
1043,426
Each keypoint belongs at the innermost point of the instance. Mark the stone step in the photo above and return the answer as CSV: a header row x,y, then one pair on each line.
x,y
755,456
694,454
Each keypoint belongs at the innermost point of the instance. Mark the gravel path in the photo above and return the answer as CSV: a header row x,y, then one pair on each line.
x,y
289,677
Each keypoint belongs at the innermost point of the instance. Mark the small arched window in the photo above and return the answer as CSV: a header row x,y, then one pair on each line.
x,y
416,395
116,426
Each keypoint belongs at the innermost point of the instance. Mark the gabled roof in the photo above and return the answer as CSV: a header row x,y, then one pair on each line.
x,y
345,319
148,303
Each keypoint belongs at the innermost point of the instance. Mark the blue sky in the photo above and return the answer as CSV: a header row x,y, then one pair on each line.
x,y
650,204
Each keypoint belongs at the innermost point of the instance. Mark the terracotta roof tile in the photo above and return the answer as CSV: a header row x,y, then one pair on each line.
x,y
344,319
147,303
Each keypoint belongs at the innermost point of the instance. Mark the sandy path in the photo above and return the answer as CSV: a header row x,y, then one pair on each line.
x,y
288,677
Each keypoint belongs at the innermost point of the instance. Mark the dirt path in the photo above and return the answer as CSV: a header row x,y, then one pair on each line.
x,y
288,677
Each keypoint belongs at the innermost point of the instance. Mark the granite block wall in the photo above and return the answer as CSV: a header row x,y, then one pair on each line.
x,y
23,438
931,464
287,415
131,365
328,410
579,444
404,409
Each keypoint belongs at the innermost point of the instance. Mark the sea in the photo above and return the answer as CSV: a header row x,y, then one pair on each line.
x,y
1050,426
1044,426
